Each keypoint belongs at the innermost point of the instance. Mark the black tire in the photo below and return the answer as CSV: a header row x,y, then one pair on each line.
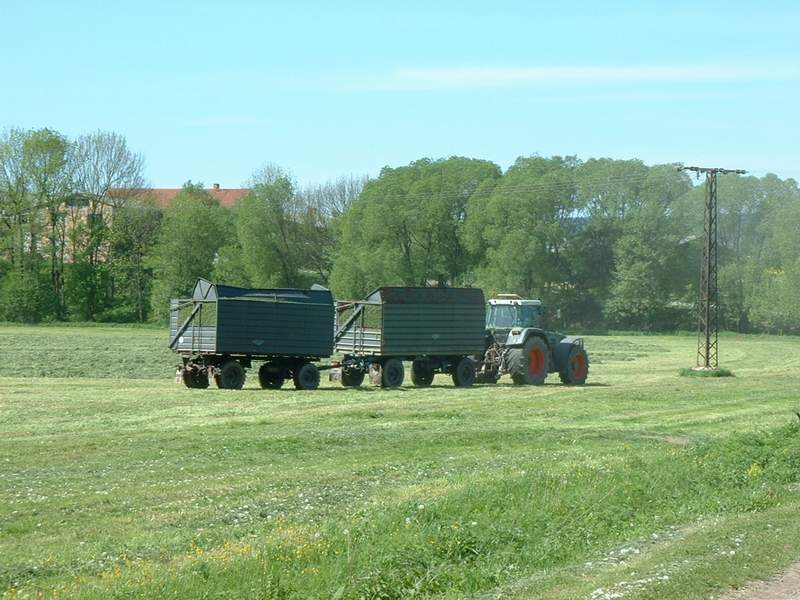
x,y
195,378
576,367
352,377
306,377
270,376
230,376
464,372
392,373
422,372
530,364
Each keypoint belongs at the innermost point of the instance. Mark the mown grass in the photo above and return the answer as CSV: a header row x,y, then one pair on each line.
x,y
643,483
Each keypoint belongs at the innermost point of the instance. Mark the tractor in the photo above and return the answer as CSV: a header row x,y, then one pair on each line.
x,y
518,344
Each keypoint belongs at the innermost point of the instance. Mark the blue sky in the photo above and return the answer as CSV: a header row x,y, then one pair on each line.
x,y
209,91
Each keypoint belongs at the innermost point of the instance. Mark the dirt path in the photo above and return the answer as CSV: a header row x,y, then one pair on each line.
x,y
784,586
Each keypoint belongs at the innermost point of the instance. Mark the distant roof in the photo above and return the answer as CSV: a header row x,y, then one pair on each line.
x,y
227,197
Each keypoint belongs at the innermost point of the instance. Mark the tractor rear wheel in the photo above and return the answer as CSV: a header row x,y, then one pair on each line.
x,y
306,377
529,365
421,372
576,368
230,376
352,377
270,376
392,373
464,373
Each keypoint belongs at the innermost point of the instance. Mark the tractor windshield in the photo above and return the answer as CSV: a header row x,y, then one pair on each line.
x,y
501,316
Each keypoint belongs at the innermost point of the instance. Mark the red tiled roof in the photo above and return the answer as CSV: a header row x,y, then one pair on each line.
x,y
227,196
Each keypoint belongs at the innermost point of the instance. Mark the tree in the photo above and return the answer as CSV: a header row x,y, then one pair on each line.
x,y
106,174
268,228
132,234
639,294
333,198
408,226
24,294
611,193
49,175
524,225
193,230
16,209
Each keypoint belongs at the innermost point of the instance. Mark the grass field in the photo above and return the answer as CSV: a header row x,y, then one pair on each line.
x,y
116,482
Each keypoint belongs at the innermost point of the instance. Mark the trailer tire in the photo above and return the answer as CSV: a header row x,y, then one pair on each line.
x,y
421,372
195,378
575,368
530,364
269,378
352,377
392,373
464,373
230,376
306,377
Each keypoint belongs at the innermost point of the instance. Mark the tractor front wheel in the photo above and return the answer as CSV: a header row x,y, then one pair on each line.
x,y
530,364
576,368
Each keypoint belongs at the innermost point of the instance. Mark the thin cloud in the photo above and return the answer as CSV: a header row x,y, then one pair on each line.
x,y
476,77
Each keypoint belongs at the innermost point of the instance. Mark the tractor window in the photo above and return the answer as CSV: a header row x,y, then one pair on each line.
x,y
530,316
502,315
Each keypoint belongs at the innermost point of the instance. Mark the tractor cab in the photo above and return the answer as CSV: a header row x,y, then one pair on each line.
x,y
510,311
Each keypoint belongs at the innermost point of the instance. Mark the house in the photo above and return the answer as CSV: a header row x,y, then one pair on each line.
x,y
227,197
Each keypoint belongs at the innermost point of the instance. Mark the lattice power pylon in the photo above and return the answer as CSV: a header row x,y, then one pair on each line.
x,y
708,313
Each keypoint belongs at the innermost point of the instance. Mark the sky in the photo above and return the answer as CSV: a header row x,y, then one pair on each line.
x,y
210,91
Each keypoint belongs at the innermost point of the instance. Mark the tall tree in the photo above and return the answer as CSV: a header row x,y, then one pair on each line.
x,y
132,234
16,208
408,226
193,229
268,227
524,225
106,174
48,172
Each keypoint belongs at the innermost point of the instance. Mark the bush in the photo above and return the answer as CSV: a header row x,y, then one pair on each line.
x,y
28,297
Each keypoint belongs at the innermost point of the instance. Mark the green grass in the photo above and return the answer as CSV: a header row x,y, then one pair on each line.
x,y
698,372
115,482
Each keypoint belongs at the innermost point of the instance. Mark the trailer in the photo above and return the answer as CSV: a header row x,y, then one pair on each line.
x,y
438,330
222,329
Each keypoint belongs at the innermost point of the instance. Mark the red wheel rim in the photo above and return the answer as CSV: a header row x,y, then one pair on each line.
x,y
535,361
579,365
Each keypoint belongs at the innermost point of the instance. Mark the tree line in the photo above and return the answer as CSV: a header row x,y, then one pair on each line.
x,y
610,243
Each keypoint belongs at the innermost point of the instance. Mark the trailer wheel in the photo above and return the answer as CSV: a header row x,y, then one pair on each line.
x,y
576,367
529,365
352,377
421,372
392,373
195,378
306,377
464,373
230,376
270,376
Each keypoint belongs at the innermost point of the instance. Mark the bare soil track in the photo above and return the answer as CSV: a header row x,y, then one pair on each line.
x,y
783,586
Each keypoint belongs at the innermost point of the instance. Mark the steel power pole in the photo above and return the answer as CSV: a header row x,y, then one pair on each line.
x,y
708,315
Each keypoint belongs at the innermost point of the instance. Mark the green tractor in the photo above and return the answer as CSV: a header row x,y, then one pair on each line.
x,y
517,344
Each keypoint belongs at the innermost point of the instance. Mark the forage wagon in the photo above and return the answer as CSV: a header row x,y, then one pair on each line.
x,y
438,330
222,329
